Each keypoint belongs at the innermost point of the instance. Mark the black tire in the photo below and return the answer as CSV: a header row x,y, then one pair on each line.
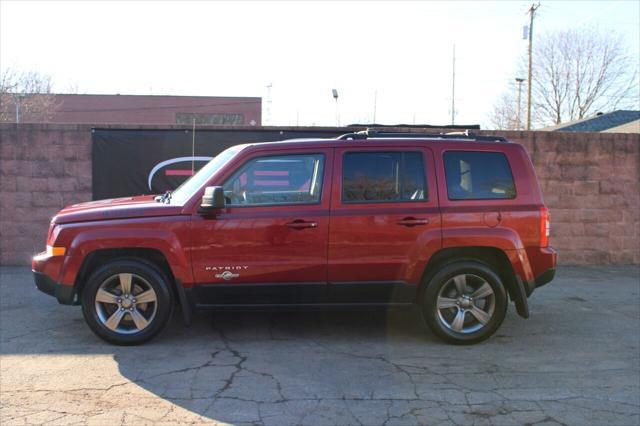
x,y
438,320
144,276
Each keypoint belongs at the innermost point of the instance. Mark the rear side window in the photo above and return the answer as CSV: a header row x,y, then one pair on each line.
x,y
383,177
475,175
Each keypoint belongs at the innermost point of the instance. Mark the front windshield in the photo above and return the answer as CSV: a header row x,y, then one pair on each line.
x,y
185,191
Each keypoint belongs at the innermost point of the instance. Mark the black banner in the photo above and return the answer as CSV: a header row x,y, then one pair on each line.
x,y
135,162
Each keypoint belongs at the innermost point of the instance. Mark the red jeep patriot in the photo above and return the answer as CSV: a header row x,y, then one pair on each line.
x,y
452,224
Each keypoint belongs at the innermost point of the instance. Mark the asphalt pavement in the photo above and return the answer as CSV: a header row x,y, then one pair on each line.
x,y
575,361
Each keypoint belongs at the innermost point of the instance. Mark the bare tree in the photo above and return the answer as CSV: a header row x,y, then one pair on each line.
x,y
505,113
577,73
582,71
26,97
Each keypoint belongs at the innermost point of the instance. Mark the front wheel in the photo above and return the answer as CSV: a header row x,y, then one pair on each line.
x,y
127,301
464,303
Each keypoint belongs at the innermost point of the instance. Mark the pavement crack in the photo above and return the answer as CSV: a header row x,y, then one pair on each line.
x,y
238,366
210,363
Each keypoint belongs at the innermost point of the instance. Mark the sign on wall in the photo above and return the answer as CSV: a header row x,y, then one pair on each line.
x,y
135,162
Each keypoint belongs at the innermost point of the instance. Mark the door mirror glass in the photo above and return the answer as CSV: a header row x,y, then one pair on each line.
x,y
212,199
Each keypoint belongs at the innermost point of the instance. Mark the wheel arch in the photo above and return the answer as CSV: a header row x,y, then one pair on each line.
x,y
98,257
151,255
495,258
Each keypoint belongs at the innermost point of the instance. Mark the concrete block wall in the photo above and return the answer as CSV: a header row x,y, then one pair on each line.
x,y
590,181
42,169
591,184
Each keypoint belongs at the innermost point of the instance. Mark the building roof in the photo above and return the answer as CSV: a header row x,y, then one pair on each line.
x,y
631,127
601,123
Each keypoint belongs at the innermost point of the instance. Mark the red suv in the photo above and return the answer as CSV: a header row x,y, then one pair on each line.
x,y
452,224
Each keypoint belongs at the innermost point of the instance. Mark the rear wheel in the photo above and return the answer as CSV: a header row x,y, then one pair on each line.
x,y
464,303
127,301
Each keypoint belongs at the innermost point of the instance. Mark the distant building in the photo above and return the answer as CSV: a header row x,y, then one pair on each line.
x,y
620,121
133,109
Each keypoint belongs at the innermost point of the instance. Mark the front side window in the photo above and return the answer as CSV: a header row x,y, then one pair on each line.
x,y
283,179
476,175
383,177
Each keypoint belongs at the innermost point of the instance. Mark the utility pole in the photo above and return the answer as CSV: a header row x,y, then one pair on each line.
x,y
453,88
518,116
531,12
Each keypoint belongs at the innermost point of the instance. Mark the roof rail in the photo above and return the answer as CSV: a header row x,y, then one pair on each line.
x,y
372,133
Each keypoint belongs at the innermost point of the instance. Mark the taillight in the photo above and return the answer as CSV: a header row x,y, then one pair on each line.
x,y
544,226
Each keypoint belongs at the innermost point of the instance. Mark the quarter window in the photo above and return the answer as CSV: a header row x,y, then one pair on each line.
x,y
475,175
285,179
383,177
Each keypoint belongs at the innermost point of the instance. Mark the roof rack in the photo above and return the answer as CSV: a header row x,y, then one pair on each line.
x,y
373,133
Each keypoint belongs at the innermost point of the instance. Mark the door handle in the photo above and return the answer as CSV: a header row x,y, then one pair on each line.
x,y
412,221
301,224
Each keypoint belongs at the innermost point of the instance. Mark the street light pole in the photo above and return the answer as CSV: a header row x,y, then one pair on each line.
x,y
334,92
518,116
16,100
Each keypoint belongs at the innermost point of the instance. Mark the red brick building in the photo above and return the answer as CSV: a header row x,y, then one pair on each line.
x,y
133,109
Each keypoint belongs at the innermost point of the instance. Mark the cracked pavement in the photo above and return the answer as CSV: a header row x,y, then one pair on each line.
x,y
575,361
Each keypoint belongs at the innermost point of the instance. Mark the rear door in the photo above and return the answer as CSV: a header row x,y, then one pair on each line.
x,y
385,223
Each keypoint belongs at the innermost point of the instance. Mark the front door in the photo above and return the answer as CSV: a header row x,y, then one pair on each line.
x,y
385,223
269,245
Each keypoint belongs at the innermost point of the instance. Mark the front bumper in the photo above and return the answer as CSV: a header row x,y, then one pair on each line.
x,y
45,267
65,294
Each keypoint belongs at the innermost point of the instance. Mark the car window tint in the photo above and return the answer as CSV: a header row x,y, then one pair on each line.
x,y
475,175
285,179
383,177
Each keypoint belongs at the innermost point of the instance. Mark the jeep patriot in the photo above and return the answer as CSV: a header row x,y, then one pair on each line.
x,y
454,225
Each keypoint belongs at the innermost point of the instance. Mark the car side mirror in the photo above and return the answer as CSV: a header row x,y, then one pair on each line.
x,y
213,199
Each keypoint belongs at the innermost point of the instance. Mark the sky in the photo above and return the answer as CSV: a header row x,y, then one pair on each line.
x,y
388,60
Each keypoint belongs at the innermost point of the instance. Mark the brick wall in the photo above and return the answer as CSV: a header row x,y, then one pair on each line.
x,y
590,181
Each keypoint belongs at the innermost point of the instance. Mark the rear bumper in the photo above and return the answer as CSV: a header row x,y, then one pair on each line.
x,y
543,265
65,294
523,289
542,279
546,277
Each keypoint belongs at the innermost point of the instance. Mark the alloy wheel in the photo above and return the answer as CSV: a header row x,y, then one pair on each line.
x,y
126,303
465,303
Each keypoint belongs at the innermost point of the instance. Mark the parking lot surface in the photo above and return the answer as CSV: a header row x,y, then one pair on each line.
x,y
575,361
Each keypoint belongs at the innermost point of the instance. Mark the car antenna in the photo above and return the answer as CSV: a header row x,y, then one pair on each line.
x,y
193,147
